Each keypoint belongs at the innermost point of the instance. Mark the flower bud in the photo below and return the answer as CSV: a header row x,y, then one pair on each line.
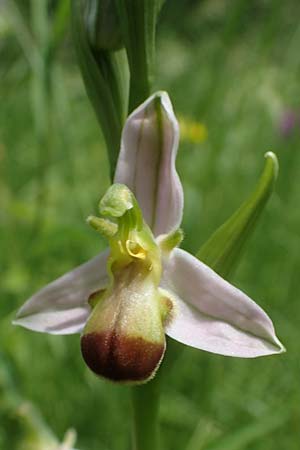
x,y
102,24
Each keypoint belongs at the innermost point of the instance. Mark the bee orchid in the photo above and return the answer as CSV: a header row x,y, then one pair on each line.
x,y
144,286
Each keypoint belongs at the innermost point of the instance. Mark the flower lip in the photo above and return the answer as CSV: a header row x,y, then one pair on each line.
x,y
123,339
121,358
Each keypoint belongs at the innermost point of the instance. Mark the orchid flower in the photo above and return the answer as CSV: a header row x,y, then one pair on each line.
x,y
127,298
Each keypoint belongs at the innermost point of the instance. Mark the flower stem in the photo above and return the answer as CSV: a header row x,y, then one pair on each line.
x,y
145,401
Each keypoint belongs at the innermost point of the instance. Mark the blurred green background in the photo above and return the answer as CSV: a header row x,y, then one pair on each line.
x,y
234,67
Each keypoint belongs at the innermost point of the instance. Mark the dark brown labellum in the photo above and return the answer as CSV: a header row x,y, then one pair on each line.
x,y
121,358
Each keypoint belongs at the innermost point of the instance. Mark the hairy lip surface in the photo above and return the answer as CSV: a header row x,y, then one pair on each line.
x,y
121,358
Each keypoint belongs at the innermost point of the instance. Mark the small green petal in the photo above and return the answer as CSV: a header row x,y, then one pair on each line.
x,y
169,241
103,226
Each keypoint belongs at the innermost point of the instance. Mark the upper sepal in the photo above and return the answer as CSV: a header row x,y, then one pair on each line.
x,y
146,163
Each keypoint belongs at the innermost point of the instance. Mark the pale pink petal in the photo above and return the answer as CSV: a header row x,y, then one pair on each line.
x,y
61,307
146,163
213,315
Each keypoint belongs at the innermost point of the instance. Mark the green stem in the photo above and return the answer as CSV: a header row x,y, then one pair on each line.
x,y
145,401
